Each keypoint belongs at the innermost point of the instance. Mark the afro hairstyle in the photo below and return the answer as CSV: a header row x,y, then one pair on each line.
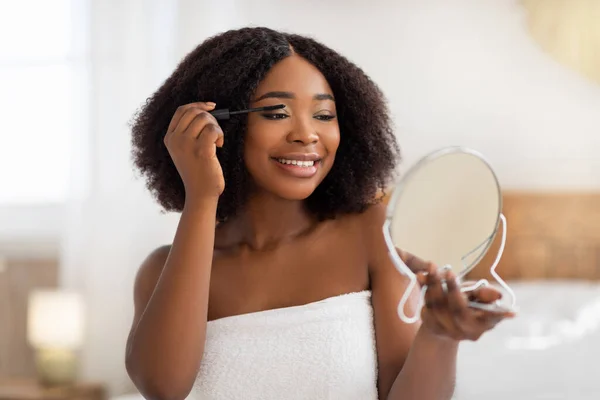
x,y
226,69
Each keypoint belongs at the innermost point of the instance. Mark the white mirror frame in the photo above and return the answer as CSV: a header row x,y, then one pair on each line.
x,y
403,268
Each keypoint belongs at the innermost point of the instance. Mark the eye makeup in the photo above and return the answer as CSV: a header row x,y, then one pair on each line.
x,y
225,113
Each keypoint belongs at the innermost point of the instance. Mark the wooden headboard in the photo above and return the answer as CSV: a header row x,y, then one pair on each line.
x,y
549,236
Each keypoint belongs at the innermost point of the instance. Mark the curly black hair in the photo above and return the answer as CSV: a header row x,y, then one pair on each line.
x,y
227,69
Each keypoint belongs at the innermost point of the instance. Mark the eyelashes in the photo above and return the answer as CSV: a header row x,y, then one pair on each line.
x,y
325,117
279,116
274,116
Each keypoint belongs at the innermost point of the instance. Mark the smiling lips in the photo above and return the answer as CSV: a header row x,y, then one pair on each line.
x,y
296,162
300,165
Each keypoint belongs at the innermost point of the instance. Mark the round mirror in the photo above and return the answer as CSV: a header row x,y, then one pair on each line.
x,y
446,209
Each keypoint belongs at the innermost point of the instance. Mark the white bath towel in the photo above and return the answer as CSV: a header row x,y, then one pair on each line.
x,y
322,350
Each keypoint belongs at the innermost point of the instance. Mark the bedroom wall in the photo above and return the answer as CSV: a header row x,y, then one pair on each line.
x,y
464,72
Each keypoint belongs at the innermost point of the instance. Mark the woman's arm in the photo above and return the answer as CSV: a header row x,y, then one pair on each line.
x,y
166,341
413,364
429,370
418,361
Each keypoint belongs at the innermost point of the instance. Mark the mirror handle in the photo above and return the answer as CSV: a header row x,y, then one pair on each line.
x,y
501,282
404,270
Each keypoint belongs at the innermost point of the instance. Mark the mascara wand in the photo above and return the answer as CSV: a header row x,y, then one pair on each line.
x,y
224,113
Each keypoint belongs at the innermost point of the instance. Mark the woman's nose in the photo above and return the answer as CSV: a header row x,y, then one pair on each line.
x,y
303,132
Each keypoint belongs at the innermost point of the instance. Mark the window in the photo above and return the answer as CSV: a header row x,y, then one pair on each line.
x,y
39,67
36,69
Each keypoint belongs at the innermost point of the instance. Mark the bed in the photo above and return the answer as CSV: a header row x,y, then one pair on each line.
x,y
552,261
550,351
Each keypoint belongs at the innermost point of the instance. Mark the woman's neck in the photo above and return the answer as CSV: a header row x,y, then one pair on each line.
x,y
267,220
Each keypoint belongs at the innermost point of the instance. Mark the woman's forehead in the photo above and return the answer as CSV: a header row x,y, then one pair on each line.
x,y
295,75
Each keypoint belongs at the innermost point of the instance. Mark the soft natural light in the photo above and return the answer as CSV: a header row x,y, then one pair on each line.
x,y
34,31
36,77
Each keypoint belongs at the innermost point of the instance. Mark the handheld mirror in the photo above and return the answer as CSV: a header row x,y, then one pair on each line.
x,y
447,209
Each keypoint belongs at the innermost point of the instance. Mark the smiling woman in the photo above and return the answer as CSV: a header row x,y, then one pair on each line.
x,y
293,294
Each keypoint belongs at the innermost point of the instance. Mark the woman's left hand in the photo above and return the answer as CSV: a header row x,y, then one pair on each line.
x,y
446,312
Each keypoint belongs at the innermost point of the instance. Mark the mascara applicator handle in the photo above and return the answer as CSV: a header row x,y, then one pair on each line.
x,y
221,114
225,113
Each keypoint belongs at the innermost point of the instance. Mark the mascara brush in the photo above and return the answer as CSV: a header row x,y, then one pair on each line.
x,y
225,113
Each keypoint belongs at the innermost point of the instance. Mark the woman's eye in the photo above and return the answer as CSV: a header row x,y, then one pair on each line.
x,y
325,117
320,117
275,116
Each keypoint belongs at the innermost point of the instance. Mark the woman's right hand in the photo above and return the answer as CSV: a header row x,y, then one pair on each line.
x,y
192,140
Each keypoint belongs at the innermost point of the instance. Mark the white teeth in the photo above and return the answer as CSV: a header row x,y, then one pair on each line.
x,y
296,162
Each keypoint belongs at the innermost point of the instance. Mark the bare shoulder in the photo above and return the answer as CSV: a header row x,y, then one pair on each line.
x,y
364,228
371,223
370,220
374,216
148,275
153,265
159,255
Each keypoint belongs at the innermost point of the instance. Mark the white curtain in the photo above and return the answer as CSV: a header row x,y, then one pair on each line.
x,y
113,223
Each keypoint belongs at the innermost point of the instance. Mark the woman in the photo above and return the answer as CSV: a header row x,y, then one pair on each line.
x,y
278,283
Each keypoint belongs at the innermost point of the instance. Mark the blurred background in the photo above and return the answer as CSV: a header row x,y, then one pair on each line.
x,y
517,80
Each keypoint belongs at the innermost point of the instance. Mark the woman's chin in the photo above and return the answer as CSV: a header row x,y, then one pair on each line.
x,y
294,192
295,195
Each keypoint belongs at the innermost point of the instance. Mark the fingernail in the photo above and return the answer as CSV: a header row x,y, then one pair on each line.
x,y
211,104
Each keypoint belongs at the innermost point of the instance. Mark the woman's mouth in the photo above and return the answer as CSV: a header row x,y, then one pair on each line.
x,y
296,162
297,168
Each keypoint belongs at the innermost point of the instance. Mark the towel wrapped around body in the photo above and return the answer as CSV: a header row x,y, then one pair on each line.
x,y
321,350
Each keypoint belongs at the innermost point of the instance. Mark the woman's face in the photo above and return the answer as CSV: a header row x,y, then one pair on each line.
x,y
289,152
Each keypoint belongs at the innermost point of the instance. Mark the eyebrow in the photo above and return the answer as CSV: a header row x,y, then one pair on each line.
x,y
290,95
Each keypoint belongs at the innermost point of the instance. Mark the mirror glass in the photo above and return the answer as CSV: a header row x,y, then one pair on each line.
x,y
446,209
